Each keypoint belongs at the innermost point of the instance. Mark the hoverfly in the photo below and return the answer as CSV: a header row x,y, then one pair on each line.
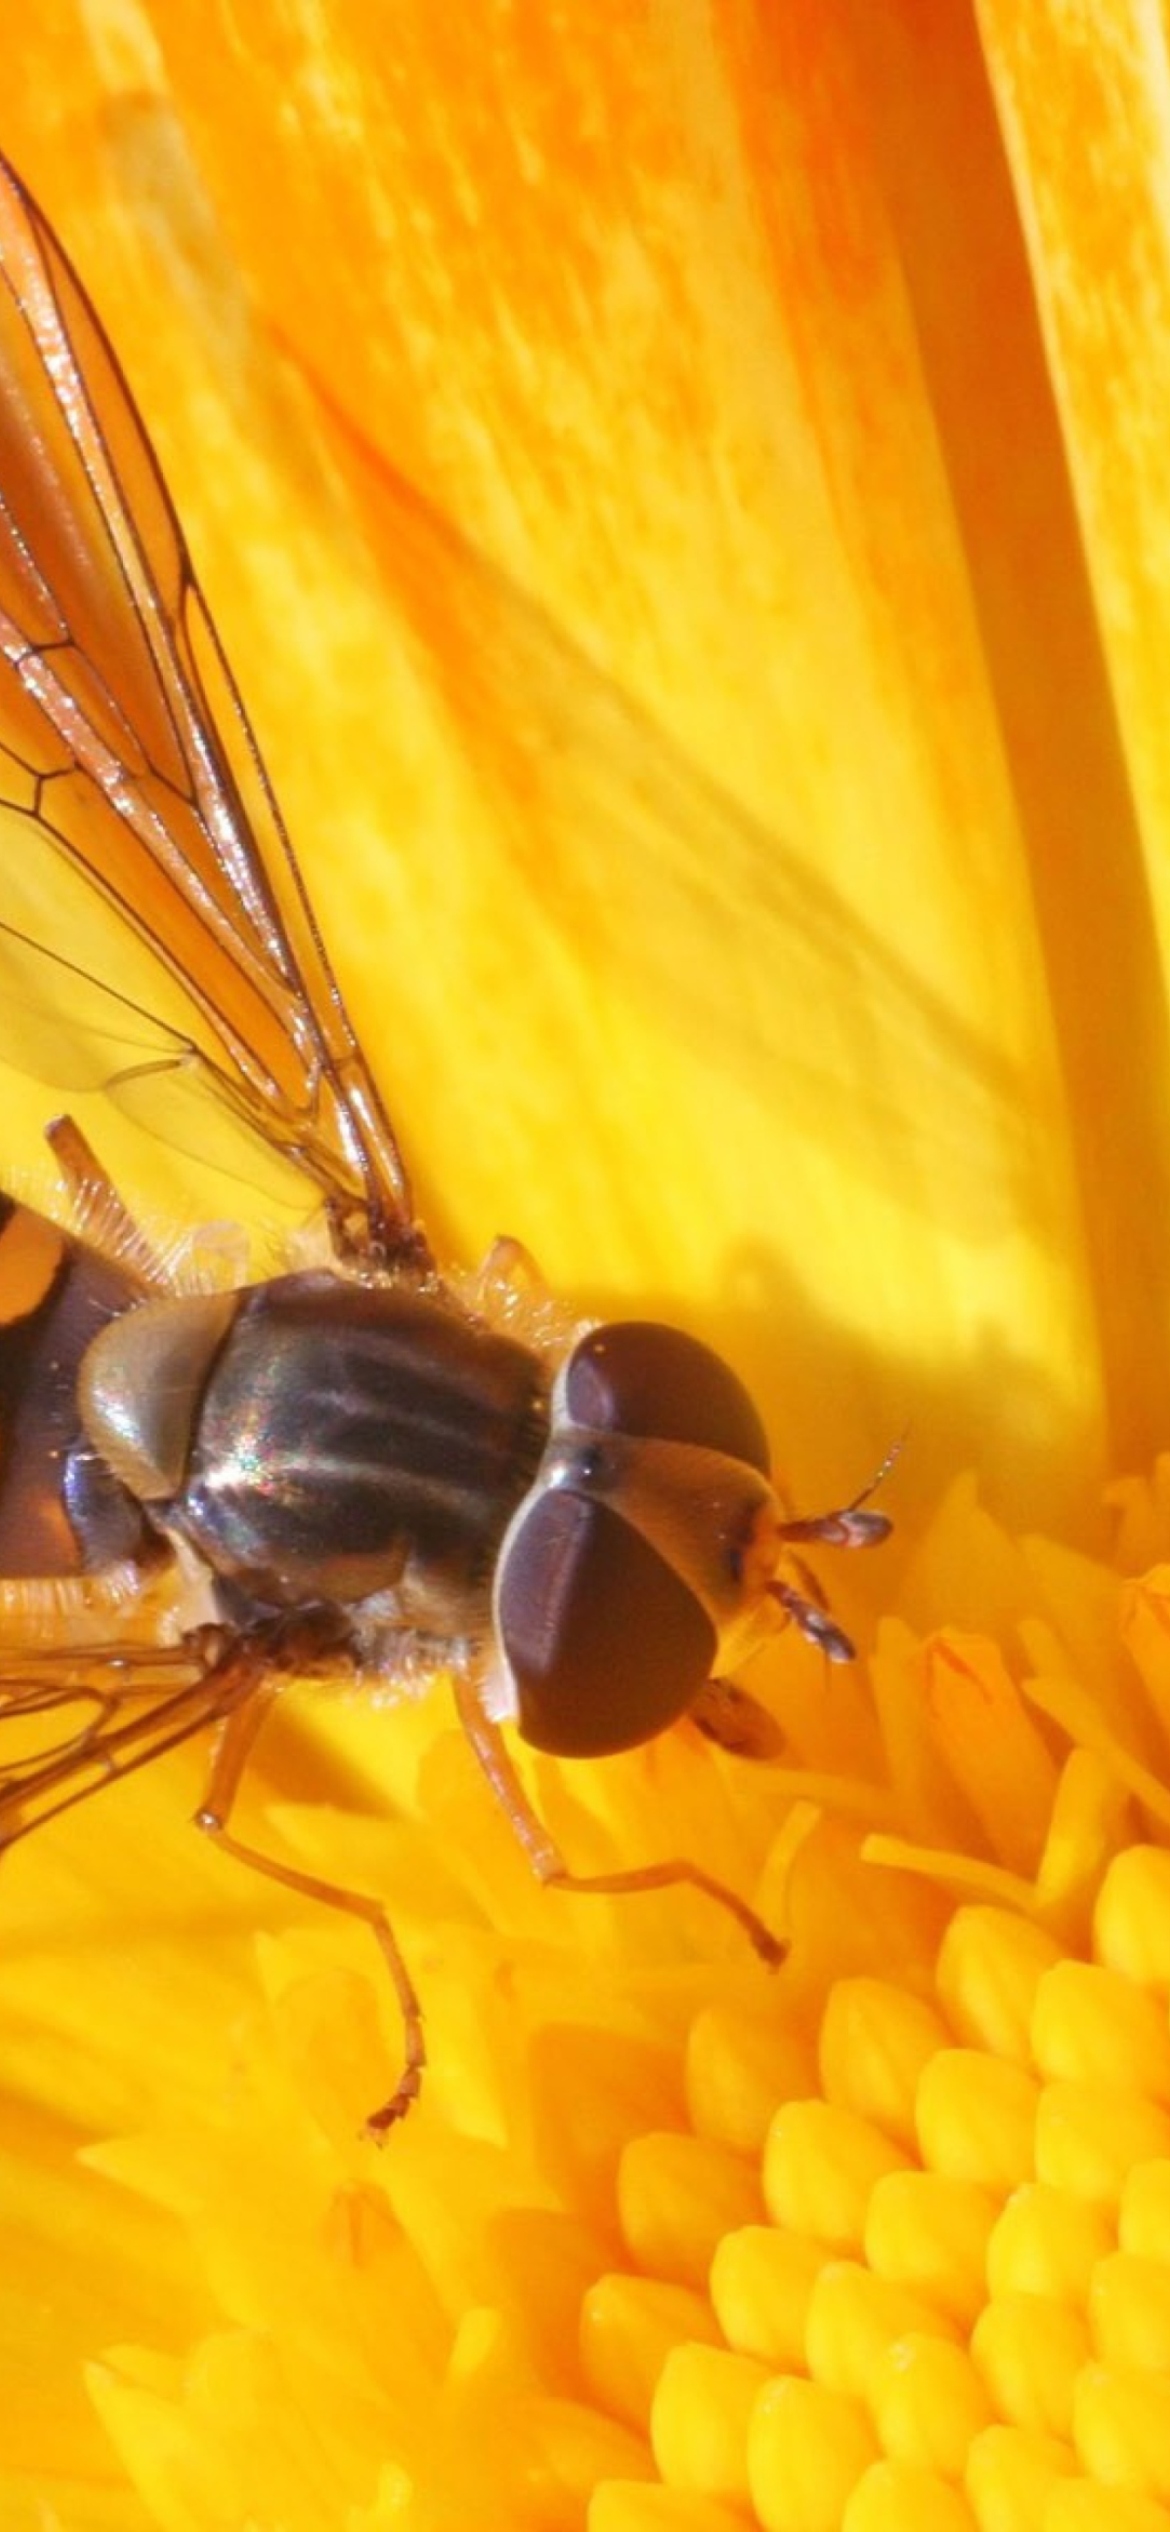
x,y
204,1492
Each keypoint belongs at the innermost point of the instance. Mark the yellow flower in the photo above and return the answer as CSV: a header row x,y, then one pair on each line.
x,y
686,500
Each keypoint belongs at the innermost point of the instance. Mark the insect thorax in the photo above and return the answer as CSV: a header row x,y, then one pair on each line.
x,y
311,1438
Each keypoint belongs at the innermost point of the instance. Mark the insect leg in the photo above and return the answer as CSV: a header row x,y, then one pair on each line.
x,y
508,1261
95,1194
230,1756
546,1858
735,1720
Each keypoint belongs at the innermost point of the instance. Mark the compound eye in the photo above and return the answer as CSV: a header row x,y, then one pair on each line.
x,y
604,1643
636,1377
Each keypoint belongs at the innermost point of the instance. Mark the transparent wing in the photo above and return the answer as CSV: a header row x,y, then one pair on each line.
x,y
77,1036
74,1721
126,763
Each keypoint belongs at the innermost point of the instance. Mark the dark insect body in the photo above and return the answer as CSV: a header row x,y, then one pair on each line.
x,y
204,1491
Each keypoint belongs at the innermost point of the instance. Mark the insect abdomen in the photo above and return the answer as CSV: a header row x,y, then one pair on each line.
x,y
62,1512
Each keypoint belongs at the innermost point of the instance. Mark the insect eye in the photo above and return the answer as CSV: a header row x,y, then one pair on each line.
x,y
638,1378
605,1644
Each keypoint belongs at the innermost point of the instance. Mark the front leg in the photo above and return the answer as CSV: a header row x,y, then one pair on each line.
x,y
546,1858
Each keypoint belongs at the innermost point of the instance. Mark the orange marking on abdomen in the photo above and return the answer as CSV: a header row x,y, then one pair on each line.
x,y
31,1251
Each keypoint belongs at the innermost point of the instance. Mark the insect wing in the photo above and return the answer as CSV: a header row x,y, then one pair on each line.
x,y
73,1721
127,767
